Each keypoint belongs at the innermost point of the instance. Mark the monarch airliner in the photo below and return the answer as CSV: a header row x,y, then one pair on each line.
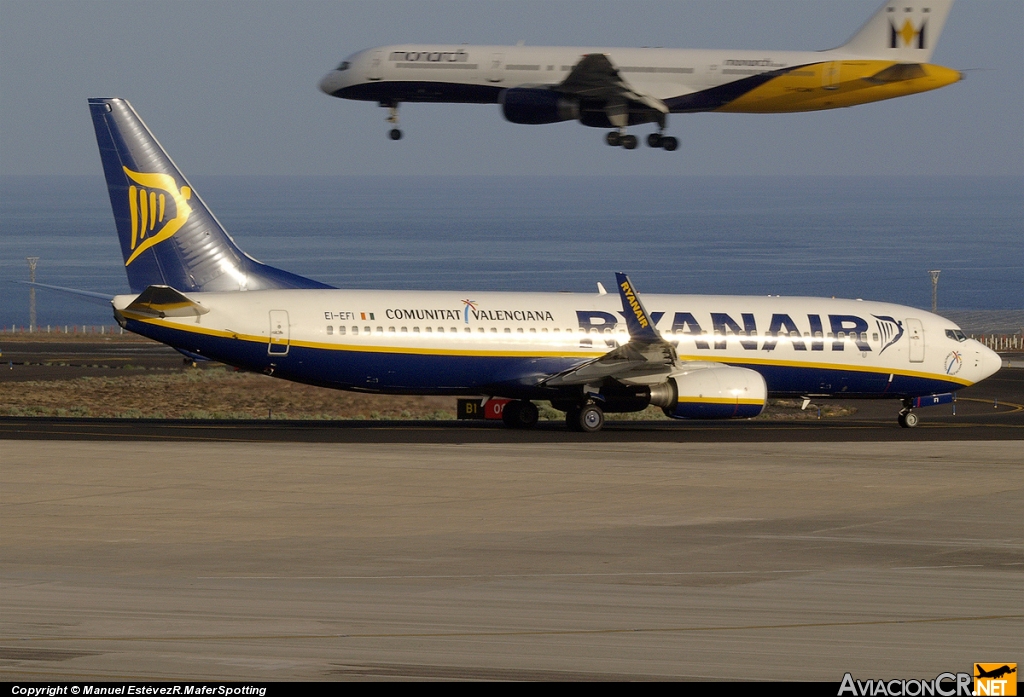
x,y
620,87
694,356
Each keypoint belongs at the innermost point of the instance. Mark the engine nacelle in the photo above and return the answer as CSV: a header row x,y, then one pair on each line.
x,y
717,392
536,106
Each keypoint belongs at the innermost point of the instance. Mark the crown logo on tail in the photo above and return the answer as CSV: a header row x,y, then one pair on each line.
x,y
151,204
906,36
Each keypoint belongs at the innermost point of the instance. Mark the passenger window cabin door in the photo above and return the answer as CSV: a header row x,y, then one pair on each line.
x,y
279,333
376,61
496,70
915,335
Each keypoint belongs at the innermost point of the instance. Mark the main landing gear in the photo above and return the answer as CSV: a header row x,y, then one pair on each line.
x,y
392,107
629,142
587,418
520,414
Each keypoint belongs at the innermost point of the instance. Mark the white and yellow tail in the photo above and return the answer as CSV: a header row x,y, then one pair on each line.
x,y
901,30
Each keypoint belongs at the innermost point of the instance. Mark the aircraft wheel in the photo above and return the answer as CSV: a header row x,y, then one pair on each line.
x,y
629,142
908,419
588,419
520,414
395,134
669,143
614,138
655,140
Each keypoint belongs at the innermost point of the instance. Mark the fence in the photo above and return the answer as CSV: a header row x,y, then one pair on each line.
x,y
1002,342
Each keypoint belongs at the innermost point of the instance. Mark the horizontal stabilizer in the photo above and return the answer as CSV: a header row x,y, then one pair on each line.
x,y
164,301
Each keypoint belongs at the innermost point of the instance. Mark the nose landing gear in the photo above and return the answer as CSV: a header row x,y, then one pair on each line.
x,y
907,418
392,118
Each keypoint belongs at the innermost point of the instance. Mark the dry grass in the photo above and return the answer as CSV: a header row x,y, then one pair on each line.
x,y
217,393
221,393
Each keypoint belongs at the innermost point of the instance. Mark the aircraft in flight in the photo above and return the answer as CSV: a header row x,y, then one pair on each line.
x,y
695,356
621,87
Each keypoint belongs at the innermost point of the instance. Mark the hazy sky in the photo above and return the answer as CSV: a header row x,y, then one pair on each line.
x,y
230,87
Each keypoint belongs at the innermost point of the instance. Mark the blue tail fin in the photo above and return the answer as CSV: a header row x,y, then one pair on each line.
x,y
168,235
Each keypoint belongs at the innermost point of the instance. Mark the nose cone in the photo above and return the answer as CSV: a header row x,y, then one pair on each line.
x,y
332,82
990,361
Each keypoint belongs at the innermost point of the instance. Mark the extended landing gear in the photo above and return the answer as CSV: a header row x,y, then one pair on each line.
x,y
907,419
520,414
585,419
629,142
657,140
617,138
392,107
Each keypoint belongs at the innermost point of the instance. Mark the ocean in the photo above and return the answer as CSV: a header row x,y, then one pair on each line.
x,y
859,237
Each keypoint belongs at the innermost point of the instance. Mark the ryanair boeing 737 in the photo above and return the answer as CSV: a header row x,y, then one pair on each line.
x,y
620,87
695,356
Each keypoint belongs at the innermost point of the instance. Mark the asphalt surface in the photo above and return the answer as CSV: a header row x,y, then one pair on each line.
x,y
600,561
276,550
991,410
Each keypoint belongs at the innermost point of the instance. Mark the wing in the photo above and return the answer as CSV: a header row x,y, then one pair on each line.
x,y
594,78
646,359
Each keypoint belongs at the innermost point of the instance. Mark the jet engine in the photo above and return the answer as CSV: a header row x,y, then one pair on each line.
x,y
536,106
717,392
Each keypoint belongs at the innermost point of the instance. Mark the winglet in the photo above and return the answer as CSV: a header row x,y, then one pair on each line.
x,y
638,321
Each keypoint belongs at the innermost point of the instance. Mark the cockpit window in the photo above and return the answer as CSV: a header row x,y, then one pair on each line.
x,y
956,335
343,66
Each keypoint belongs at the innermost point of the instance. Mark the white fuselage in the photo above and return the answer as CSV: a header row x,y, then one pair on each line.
x,y
446,342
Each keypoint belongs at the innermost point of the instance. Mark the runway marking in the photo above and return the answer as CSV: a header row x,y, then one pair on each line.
x,y
470,576
513,633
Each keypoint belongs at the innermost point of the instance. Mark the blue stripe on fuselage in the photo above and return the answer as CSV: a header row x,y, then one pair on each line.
x,y
507,376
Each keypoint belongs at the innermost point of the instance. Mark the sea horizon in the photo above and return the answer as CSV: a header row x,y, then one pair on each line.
x,y
871,237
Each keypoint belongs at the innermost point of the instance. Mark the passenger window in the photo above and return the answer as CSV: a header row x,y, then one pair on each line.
x,y
494,330
366,330
341,330
391,330
534,331
508,330
519,330
415,330
405,329
380,330
428,330
480,329
330,330
355,331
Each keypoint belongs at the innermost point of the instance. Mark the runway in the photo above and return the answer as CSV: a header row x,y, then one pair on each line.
x,y
267,561
359,550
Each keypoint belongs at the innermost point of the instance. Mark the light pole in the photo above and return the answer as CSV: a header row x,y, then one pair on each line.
x,y
935,289
32,293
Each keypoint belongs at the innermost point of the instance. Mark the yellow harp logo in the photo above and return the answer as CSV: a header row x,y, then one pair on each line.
x,y
148,205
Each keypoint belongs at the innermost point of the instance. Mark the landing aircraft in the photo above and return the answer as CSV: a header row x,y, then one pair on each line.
x,y
621,87
695,356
